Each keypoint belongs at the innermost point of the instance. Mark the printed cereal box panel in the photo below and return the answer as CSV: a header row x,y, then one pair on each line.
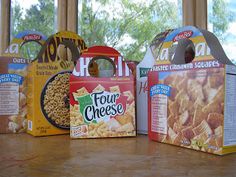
x,y
191,100
141,81
49,84
102,102
13,81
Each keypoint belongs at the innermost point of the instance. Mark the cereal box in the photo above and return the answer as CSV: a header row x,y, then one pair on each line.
x,y
48,84
141,81
102,104
191,93
13,72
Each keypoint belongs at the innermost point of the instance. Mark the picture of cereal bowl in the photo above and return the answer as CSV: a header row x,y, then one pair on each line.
x,y
54,100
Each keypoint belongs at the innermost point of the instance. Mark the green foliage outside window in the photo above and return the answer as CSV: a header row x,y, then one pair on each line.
x,y
129,26
39,17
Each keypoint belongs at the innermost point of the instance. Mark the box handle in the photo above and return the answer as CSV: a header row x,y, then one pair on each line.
x,y
101,66
213,43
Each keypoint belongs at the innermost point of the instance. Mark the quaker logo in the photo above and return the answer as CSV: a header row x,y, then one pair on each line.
x,y
143,72
32,37
183,35
101,106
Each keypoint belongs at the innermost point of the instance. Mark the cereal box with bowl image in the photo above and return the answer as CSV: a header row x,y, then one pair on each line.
x,y
48,84
13,74
102,100
191,93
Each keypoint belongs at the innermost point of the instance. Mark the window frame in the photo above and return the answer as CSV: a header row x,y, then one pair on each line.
x,y
4,25
194,13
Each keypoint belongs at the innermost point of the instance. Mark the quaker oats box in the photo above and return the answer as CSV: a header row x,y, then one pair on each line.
x,y
102,100
141,81
13,79
191,93
48,84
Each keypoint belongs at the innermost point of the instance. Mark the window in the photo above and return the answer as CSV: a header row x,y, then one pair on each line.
x,y
128,26
38,15
222,22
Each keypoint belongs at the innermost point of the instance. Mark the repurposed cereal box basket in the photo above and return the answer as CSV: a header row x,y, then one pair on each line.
x,y
48,85
13,82
192,102
102,100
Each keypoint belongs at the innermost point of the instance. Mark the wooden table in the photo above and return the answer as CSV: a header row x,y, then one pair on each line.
x,y
25,156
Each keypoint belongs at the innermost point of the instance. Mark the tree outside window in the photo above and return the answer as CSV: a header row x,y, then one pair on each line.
x,y
36,15
127,25
222,22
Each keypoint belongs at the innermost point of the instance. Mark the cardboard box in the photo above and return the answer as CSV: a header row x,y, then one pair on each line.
x,y
193,104
48,84
13,72
141,81
102,105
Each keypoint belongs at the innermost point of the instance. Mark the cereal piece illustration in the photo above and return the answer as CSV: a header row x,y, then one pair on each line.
x,y
215,120
56,100
81,92
124,119
172,135
199,115
188,133
129,127
202,127
171,120
99,88
113,124
129,95
219,131
174,108
130,109
184,118
115,89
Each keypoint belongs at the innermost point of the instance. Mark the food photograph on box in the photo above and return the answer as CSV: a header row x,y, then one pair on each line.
x,y
13,82
138,88
48,85
102,100
189,95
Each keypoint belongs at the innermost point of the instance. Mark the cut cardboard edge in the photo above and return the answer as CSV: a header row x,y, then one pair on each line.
x,y
107,58
213,43
75,50
157,41
216,49
147,58
96,51
20,40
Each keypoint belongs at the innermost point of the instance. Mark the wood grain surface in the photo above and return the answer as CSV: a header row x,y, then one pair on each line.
x,y
22,155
